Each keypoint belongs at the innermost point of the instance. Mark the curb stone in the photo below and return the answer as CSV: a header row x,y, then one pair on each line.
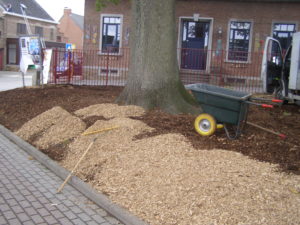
x,y
100,199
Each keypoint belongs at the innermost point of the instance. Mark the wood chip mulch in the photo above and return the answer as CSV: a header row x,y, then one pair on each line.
x,y
157,166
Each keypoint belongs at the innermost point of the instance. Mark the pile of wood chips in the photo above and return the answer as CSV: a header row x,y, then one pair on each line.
x,y
52,127
164,180
110,111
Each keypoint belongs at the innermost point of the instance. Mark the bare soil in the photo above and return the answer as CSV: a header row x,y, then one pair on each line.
x,y
155,165
21,105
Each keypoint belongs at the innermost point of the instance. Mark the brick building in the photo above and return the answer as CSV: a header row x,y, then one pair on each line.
x,y
12,25
213,36
71,27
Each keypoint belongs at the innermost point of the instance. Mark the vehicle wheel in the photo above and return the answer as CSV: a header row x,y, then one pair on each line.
x,y
205,124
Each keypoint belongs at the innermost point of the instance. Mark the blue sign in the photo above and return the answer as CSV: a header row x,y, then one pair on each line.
x,y
68,46
34,46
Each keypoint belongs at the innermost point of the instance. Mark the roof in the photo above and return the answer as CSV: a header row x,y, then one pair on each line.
x,y
33,8
78,19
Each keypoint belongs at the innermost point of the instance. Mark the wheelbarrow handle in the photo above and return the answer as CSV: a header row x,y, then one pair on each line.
x,y
267,100
259,104
267,106
277,100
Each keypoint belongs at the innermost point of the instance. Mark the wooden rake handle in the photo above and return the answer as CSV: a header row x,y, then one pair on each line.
x,y
77,164
84,154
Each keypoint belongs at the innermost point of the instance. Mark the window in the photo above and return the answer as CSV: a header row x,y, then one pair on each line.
x,y
239,41
39,31
283,32
111,32
51,34
21,28
58,38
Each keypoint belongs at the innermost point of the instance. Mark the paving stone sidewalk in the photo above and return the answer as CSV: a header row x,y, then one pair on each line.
x,y
28,194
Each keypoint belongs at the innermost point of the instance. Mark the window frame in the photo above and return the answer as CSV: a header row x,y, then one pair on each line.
x,y
250,40
58,38
52,34
41,29
101,31
283,22
19,28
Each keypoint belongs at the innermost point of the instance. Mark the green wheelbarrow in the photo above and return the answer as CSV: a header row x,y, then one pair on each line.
x,y
222,108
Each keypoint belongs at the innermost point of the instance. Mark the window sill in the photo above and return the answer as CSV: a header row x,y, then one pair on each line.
x,y
237,62
109,54
192,70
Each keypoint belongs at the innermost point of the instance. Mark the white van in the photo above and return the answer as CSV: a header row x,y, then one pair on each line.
x,y
281,70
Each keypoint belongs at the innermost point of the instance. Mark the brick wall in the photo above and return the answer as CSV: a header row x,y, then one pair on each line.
x,y
92,22
218,13
261,14
70,30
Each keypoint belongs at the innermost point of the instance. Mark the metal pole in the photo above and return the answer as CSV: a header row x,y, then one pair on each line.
x,y
23,79
107,62
41,68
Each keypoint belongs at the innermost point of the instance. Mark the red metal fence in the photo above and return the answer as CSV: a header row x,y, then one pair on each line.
x,y
236,70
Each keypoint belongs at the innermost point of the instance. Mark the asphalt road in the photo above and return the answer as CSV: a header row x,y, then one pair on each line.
x,y
11,80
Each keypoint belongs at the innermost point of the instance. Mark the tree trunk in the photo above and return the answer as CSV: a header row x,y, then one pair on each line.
x,y
153,80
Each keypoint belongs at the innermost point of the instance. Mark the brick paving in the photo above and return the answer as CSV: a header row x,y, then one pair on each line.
x,y
28,194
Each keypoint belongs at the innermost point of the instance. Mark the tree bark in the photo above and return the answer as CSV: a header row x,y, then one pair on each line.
x,y
153,80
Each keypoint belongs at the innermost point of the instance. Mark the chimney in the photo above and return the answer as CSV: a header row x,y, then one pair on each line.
x,y
67,11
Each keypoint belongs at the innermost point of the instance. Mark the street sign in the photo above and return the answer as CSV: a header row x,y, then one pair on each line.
x,y
68,46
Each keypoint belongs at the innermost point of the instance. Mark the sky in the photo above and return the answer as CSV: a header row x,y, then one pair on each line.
x,y
55,8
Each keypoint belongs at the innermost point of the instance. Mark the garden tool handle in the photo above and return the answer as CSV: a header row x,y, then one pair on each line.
x,y
282,136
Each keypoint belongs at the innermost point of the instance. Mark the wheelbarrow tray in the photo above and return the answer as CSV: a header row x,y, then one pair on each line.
x,y
227,106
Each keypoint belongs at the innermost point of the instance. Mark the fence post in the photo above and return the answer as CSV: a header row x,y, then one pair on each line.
x,y
221,82
55,65
107,67
72,64
69,65
81,61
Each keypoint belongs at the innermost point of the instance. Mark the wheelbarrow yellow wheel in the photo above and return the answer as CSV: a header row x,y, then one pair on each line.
x,y
205,124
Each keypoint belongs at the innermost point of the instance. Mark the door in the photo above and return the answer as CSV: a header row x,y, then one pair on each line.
x,y
272,66
12,51
194,43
